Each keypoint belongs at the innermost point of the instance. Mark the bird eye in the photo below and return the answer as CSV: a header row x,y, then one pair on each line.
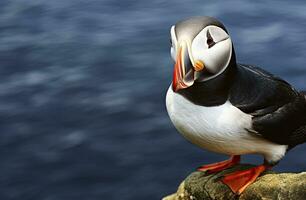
x,y
210,42
171,41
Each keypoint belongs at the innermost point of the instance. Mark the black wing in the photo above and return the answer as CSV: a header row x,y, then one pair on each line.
x,y
278,110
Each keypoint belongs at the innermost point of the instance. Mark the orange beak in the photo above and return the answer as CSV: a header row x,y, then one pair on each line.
x,y
183,74
177,82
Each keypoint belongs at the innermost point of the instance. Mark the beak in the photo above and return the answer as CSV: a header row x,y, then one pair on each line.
x,y
184,71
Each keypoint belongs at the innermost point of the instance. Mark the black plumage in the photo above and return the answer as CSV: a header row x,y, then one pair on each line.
x,y
278,110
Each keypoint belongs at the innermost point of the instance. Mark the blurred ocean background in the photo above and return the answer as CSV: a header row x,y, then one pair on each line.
x,y
83,84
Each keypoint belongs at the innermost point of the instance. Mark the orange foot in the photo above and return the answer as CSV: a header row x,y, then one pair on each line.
x,y
238,181
219,166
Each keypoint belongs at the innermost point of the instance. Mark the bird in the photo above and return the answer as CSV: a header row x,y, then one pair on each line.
x,y
230,108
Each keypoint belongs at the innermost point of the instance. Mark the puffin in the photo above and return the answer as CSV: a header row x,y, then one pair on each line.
x,y
230,108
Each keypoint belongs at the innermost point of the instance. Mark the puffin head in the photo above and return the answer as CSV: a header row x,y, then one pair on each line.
x,y
201,49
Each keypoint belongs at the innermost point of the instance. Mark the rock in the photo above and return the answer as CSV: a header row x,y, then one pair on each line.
x,y
270,185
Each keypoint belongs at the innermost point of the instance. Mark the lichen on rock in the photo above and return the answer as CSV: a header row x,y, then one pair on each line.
x,y
270,185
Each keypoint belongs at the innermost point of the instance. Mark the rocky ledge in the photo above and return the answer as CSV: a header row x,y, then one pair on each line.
x,y
269,186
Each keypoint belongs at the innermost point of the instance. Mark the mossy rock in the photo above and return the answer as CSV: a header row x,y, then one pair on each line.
x,y
269,186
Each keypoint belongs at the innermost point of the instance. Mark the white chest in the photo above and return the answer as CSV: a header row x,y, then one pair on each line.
x,y
212,124
221,129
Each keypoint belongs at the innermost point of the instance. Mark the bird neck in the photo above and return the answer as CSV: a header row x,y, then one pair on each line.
x,y
215,91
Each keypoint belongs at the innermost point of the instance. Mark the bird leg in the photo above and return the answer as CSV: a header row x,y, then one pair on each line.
x,y
219,166
238,181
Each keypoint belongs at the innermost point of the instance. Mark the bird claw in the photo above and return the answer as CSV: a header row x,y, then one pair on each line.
x,y
238,181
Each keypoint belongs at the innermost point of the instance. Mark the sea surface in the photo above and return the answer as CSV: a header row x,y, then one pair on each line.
x,y
83,84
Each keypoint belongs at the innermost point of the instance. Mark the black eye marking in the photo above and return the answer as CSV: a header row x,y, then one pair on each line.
x,y
171,41
210,41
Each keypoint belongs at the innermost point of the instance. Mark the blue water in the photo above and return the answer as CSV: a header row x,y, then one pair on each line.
x,y
82,93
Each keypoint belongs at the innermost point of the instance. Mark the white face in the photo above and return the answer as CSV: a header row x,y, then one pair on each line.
x,y
212,46
174,47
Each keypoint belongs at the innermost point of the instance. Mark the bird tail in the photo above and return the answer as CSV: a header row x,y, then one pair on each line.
x,y
303,93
